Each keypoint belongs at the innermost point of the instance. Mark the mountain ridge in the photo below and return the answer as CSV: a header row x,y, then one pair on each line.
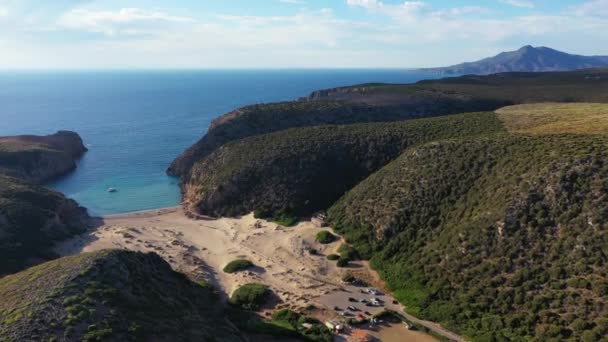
x,y
525,59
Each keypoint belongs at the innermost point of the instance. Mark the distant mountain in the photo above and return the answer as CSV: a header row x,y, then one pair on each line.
x,y
528,59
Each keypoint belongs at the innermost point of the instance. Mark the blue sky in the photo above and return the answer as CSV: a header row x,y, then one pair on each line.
x,y
110,34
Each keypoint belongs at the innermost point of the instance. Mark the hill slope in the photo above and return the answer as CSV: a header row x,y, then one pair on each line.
x,y
32,217
500,237
526,59
302,170
109,296
394,102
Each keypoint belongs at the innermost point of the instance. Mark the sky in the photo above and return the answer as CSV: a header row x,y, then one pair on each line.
x,y
207,34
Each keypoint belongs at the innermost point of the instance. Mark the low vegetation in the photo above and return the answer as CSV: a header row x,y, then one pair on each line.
x,y
342,262
325,237
238,265
32,219
308,328
299,171
250,296
394,102
499,237
333,257
109,295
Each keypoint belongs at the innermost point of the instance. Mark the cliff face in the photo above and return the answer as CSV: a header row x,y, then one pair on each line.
x,y
40,158
33,217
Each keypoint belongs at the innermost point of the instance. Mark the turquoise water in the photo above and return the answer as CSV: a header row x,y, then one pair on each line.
x,y
136,123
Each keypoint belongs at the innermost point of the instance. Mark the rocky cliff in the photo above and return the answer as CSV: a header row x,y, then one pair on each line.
x,y
40,158
33,217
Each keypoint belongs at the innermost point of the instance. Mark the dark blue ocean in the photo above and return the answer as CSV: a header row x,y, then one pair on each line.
x,y
136,122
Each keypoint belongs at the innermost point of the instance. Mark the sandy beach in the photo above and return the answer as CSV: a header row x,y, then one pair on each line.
x,y
201,249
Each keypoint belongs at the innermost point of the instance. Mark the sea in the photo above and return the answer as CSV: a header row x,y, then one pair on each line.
x,y
134,123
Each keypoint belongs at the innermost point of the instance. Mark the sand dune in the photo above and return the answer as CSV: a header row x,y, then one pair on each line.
x,y
202,248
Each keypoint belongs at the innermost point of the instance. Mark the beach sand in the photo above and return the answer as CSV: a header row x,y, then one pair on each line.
x,y
201,249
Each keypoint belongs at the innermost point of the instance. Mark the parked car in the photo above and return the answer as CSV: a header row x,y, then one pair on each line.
x,y
368,313
352,308
363,300
351,299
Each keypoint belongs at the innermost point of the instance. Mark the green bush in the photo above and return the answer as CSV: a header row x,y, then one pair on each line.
x,y
333,257
325,237
348,277
238,265
285,218
291,319
342,262
250,296
262,214
348,252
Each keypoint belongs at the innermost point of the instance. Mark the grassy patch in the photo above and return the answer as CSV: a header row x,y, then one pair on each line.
x,y
556,118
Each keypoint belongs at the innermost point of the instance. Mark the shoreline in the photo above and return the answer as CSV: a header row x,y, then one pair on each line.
x,y
141,213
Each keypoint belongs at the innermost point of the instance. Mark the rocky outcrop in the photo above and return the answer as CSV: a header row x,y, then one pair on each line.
x,y
40,158
33,217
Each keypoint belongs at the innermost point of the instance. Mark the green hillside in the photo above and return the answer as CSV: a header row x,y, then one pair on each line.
x,y
109,296
493,224
501,237
32,218
306,169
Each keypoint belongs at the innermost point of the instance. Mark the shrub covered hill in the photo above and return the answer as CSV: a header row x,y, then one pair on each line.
x,y
390,102
109,296
32,217
492,223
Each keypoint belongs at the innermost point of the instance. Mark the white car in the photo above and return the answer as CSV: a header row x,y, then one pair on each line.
x,y
373,292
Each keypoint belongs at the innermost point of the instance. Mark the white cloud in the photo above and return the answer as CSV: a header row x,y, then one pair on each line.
x,y
364,3
519,3
295,2
405,33
113,22
597,8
